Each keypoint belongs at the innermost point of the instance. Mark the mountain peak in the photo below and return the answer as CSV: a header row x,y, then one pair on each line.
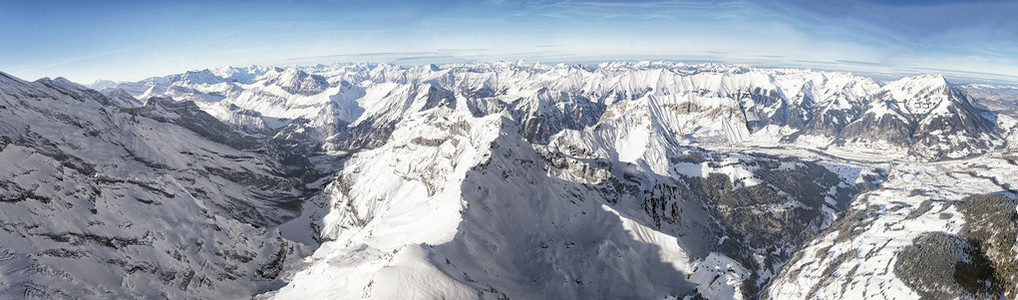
x,y
918,95
7,79
297,81
60,81
921,82
205,76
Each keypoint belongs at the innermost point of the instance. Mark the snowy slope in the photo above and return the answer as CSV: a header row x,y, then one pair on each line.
x,y
99,202
859,257
459,203
479,212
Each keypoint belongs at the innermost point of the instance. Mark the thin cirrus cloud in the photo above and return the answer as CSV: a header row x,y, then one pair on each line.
x,y
130,40
962,37
603,10
987,27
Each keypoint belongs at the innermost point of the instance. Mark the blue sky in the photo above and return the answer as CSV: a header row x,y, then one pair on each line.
x,y
132,40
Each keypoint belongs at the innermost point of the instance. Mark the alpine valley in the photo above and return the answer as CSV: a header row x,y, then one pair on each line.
x,y
508,180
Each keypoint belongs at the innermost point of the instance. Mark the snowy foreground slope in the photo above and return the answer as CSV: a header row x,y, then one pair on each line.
x,y
505,180
102,201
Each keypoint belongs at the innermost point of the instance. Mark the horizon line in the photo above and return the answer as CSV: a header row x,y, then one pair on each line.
x,y
965,77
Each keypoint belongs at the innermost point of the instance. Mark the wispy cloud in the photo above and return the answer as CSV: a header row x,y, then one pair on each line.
x,y
986,26
855,62
73,60
424,57
604,10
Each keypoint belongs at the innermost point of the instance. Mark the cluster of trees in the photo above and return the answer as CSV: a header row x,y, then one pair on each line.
x,y
980,262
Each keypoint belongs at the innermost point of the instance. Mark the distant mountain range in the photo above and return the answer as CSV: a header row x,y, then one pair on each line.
x,y
923,116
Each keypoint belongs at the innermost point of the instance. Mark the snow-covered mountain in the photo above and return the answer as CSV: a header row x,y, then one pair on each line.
x,y
499,180
922,116
103,198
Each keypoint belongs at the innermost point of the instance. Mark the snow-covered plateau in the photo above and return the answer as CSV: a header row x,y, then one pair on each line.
x,y
649,180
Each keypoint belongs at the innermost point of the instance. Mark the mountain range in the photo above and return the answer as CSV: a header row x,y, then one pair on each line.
x,y
508,180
